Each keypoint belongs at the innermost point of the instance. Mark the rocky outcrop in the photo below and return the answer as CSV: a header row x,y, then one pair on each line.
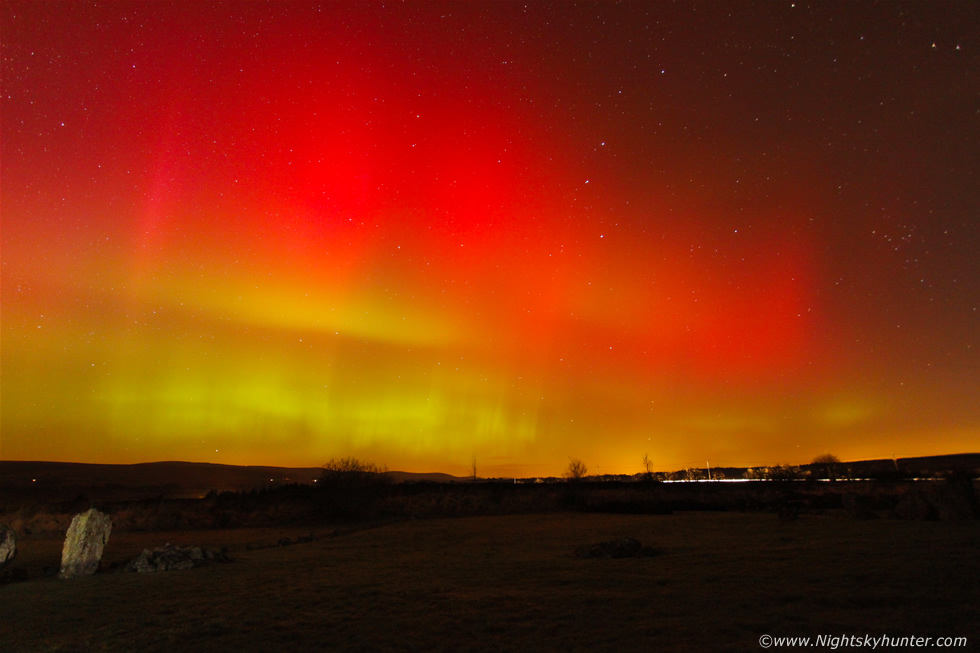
x,y
8,545
173,558
84,543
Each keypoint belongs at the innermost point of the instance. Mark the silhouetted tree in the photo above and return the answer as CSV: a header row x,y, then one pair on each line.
x,y
647,468
825,466
826,459
576,470
349,487
784,473
756,473
775,473
351,465
694,474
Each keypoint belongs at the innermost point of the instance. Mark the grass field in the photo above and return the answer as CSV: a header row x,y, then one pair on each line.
x,y
512,583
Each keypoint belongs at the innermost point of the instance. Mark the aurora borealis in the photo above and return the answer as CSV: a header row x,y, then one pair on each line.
x,y
428,233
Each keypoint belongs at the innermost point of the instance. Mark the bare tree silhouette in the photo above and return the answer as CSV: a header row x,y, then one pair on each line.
x,y
576,470
647,467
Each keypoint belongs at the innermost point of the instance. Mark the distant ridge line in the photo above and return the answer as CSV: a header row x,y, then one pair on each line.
x,y
189,478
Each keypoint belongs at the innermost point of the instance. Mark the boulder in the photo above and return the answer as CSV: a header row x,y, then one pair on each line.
x,y
174,558
84,543
8,545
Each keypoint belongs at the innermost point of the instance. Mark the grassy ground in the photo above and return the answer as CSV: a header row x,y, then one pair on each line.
x,y
512,583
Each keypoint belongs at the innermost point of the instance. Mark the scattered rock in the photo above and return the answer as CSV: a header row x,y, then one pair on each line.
x,y
625,547
84,543
173,558
282,541
8,545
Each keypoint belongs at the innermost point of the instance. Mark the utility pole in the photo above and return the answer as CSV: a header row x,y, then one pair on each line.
x,y
708,463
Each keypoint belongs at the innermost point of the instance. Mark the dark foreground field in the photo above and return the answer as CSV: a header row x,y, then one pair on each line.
x,y
719,582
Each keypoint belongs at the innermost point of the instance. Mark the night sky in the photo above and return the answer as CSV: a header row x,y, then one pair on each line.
x,y
427,233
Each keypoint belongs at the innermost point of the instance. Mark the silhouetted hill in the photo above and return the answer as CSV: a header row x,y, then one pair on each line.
x,y
45,481
920,466
170,479
428,477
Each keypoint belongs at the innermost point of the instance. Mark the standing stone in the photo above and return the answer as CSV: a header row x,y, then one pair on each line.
x,y
86,538
8,545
